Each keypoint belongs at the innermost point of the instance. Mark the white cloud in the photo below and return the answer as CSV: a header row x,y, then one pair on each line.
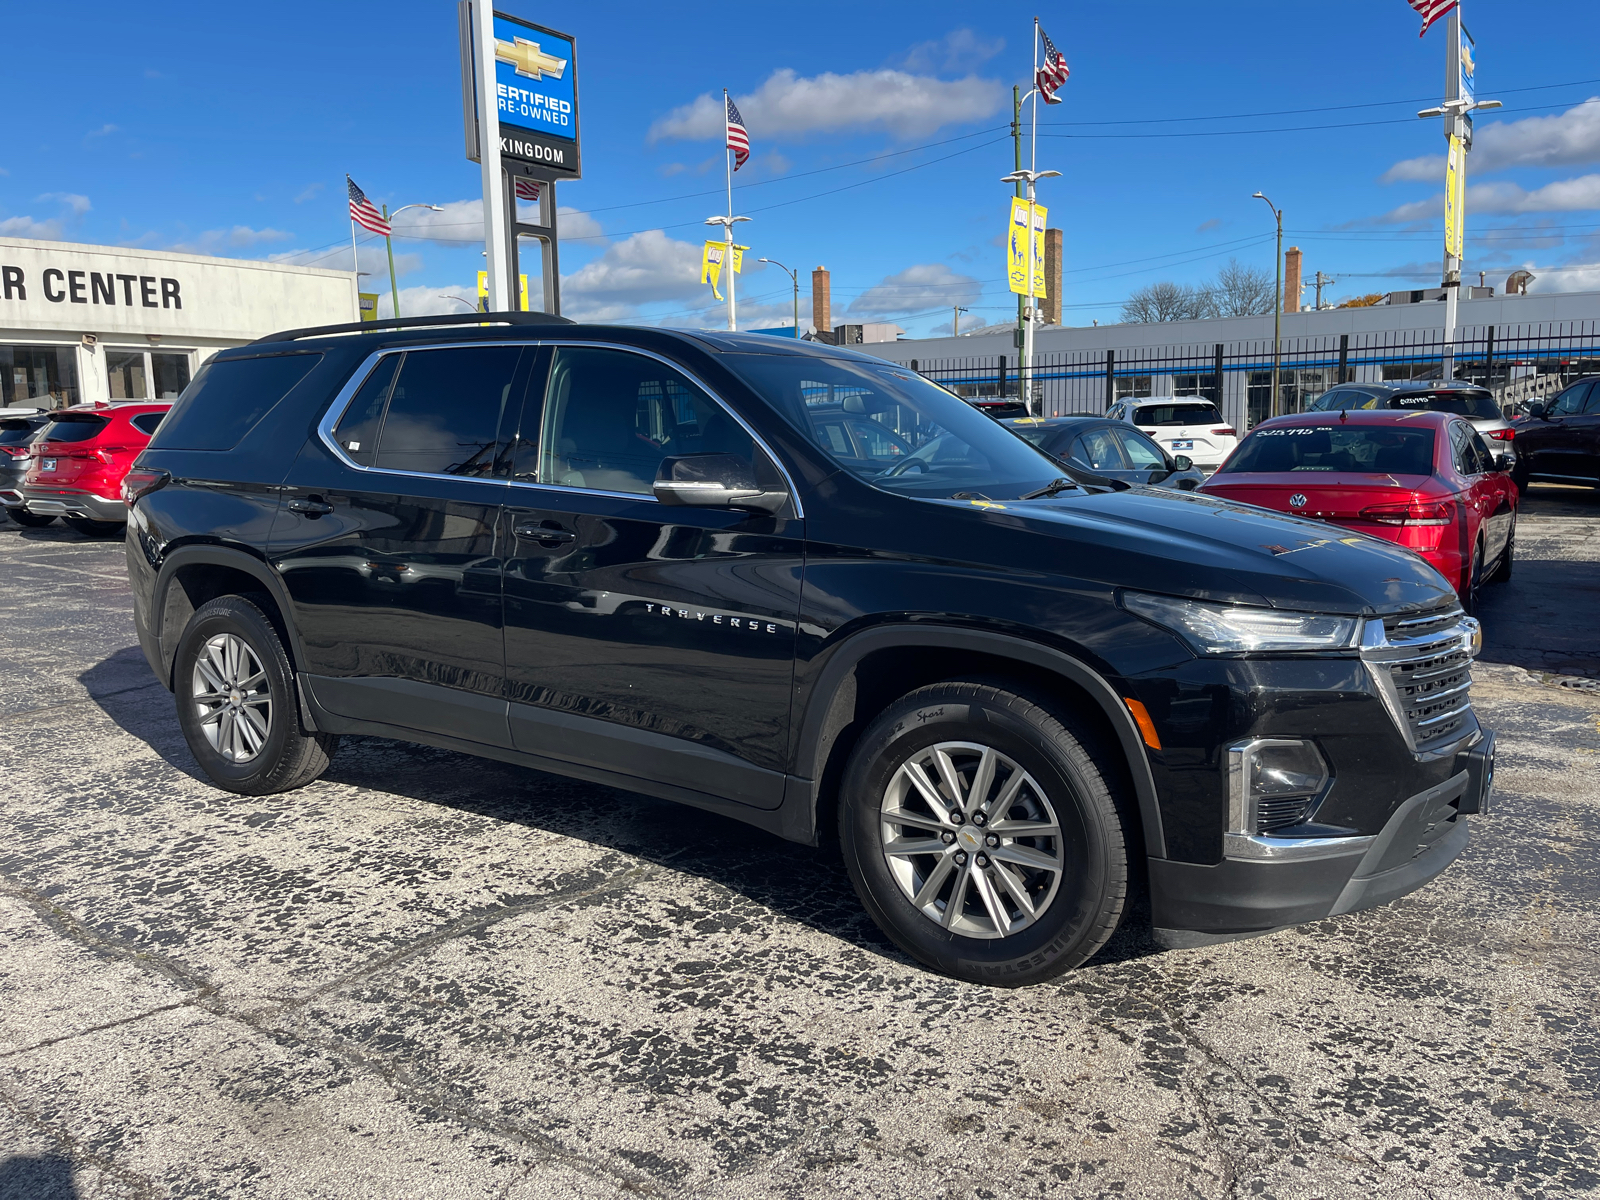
x,y
423,301
373,260
1567,139
220,241
309,192
915,290
904,104
460,222
959,50
643,269
1564,195
103,131
76,203
27,227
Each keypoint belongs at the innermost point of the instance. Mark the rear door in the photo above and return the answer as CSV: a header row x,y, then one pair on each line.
x,y
1562,449
1482,495
644,639
387,542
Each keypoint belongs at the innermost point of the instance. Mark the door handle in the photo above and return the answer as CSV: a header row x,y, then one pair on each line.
x,y
311,506
547,533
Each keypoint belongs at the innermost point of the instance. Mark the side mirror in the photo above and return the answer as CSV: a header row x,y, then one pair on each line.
x,y
713,481
1182,462
1502,461
1539,409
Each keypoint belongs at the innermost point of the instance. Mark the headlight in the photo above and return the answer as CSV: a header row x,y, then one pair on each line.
x,y
1239,629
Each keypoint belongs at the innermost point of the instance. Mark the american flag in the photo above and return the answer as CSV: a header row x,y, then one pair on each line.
x,y
527,189
363,213
1431,10
1054,72
738,139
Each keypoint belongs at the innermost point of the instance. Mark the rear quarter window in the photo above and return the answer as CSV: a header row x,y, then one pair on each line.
x,y
147,423
228,399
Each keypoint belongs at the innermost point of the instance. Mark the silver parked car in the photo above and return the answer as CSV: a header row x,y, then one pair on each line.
x,y
1457,396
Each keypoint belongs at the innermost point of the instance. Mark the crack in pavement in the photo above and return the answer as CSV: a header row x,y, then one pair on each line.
x,y
142,1186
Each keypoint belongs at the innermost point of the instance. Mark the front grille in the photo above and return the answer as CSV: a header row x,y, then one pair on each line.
x,y
1423,668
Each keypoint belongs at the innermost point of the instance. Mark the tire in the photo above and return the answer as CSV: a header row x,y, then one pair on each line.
x,y
95,529
31,520
1502,572
990,939
253,745
1474,573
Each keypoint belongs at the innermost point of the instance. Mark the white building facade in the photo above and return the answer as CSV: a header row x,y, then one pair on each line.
x,y
103,324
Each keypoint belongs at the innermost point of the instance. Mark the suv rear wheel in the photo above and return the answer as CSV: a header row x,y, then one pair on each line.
x,y
982,834
236,702
89,527
32,520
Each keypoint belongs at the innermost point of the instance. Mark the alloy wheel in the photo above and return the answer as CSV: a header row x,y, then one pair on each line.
x,y
972,839
231,697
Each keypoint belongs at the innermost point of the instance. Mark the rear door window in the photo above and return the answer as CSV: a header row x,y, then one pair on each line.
x,y
446,411
228,398
357,430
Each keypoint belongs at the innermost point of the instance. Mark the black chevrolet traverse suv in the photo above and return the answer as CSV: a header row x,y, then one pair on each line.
x,y
648,558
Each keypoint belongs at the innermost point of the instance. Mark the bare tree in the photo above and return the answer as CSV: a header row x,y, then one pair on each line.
x,y
1166,301
1241,291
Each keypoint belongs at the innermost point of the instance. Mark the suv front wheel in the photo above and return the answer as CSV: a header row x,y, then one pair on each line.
x,y
236,702
982,834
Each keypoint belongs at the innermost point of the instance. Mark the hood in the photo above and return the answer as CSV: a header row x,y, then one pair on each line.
x,y
1188,544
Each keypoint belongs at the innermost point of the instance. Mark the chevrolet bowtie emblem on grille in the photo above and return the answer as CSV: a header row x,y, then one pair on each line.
x,y
528,59
1297,501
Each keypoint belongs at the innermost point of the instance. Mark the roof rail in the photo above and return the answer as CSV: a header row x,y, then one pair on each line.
x,y
492,318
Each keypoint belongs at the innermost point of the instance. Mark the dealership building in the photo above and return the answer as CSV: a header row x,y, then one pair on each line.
x,y
96,324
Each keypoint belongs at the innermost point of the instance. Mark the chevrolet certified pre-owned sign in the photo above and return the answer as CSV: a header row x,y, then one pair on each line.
x,y
536,95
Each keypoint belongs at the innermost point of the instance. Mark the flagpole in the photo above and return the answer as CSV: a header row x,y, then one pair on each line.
x,y
727,230
355,263
1030,309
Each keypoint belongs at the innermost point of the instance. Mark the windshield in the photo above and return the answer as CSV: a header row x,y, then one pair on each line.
x,y
1176,414
1364,449
1474,405
894,429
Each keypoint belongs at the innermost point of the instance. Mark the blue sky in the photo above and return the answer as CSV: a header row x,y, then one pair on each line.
x,y
879,136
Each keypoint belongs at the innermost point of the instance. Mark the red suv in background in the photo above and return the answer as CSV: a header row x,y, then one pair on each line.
x,y
1425,480
76,465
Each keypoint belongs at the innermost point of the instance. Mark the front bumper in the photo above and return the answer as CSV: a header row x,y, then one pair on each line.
x,y
1302,880
72,502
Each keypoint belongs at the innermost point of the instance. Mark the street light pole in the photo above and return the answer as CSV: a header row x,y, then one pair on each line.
x,y
727,223
388,219
1030,311
795,277
1277,308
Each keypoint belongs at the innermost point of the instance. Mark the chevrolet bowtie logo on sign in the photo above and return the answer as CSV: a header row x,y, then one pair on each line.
x,y
528,60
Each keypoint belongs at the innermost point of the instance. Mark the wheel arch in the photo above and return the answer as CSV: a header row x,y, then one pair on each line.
x,y
191,575
877,666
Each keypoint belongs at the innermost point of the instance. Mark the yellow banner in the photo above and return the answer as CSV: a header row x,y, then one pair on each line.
x,y
1017,247
369,306
483,292
711,265
1454,199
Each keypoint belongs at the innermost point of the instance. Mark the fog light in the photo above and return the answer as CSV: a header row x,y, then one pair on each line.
x,y
1272,783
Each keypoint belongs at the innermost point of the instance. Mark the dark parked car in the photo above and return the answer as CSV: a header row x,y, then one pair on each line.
x,y
1113,449
1560,441
642,559
18,427
1457,396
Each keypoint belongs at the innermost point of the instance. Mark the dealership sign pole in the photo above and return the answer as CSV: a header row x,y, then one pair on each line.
x,y
519,99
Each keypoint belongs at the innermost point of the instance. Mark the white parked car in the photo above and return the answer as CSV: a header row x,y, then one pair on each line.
x,y
1181,425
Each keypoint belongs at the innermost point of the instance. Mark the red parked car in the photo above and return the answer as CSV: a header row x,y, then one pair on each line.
x,y
76,464
1425,480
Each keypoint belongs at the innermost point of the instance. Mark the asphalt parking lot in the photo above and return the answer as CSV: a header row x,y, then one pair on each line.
x,y
434,976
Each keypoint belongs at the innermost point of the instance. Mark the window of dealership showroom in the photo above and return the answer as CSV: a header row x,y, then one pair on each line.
x,y
84,324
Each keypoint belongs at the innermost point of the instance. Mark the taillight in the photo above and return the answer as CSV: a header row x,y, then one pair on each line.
x,y
1408,514
107,454
1502,435
14,451
1224,431
141,481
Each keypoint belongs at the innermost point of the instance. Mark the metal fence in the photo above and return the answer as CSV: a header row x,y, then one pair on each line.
x,y
1518,362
